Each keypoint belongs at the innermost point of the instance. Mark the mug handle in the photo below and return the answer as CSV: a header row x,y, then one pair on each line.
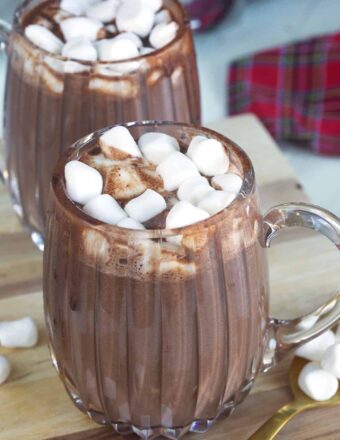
x,y
283,336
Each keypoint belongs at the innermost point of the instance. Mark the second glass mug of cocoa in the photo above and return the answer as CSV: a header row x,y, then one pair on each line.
x,y
158,338
51,102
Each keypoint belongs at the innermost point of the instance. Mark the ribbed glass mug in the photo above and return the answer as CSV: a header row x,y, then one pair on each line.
x,y
51,102
161,339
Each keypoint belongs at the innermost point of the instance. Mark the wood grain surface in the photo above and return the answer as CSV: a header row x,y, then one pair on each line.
x,y
304,270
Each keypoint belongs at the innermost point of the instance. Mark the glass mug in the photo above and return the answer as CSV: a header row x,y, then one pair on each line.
x,y
51,102
161,339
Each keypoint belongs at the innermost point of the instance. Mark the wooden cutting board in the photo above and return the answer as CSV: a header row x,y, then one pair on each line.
x,y
304,272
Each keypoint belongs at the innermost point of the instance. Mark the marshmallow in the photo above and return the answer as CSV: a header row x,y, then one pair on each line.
x,y
21,333
162,34
119,138
77,27
331,360
117,49
43,38
314,349
105,209
111,28
162,16
209,156
146,50
5,369
183,214
215,201
75,7
104,11
154,5
130,36
133,16
194,189
227,182
130,223
175,169
157,146
146,206
317,383
80,49
83,183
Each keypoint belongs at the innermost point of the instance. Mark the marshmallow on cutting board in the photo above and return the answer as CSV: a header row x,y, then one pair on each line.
x,y
20,333
83,182
317,383
5,369
314,349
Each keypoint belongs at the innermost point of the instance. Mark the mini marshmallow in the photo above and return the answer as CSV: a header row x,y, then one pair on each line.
x,y
317,383
75,7
183,214
331,360
146,206
154,5
162,34
5,369
209,156
130,36
117,49
133,16
105,209
43,38
104,11
215,201
227,182
157,146
77,27
194,189
21,333
175,169
80,49
146,50
119,138
163,16
130,223
314,349
83,183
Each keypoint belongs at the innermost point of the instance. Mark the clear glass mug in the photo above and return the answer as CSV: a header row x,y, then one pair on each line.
x,y
161,339
51,102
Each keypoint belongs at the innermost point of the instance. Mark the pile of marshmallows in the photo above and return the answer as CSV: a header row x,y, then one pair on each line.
x,y
185,173
319,378
22,333
132,20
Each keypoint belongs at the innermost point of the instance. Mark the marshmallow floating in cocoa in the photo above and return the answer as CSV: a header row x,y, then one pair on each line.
x,y
130,36
44,38
210,156
317,383
184,214
105,208
80,49
130,223
119,138
5,369
75,7
194,189
21,333
215,201
163,16
117,49
314,349
175,169
104,11
154,5
83,182
157,146
227,182
76,27
134,16
331,360
162,34
146,206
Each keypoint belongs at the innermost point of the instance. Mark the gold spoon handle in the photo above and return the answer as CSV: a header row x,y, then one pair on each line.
x,y
273,426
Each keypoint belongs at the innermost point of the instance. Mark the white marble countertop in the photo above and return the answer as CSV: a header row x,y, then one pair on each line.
x,y
260,25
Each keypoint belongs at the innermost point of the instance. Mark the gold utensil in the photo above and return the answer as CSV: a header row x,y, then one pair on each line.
x,y
301,402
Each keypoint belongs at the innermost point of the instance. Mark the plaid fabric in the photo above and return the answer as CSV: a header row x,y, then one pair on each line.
x,y
295,91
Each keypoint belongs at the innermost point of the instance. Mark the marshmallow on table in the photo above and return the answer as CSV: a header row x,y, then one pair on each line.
x,y
162,34
76,27
194,189
21,333
105,208
43,38
146,206
130,223
104,11
80,49
175,169
130,36
227,182
119,138
209,156
83,182
117,49
317,383
215,201
183,214
157,146
331,360
5,369
314,349
162,16
134,16
75,7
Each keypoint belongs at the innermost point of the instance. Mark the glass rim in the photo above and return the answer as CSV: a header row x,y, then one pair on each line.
x,y
73,152
184,27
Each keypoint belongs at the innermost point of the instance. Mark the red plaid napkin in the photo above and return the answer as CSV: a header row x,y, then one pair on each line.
x,y
295,91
